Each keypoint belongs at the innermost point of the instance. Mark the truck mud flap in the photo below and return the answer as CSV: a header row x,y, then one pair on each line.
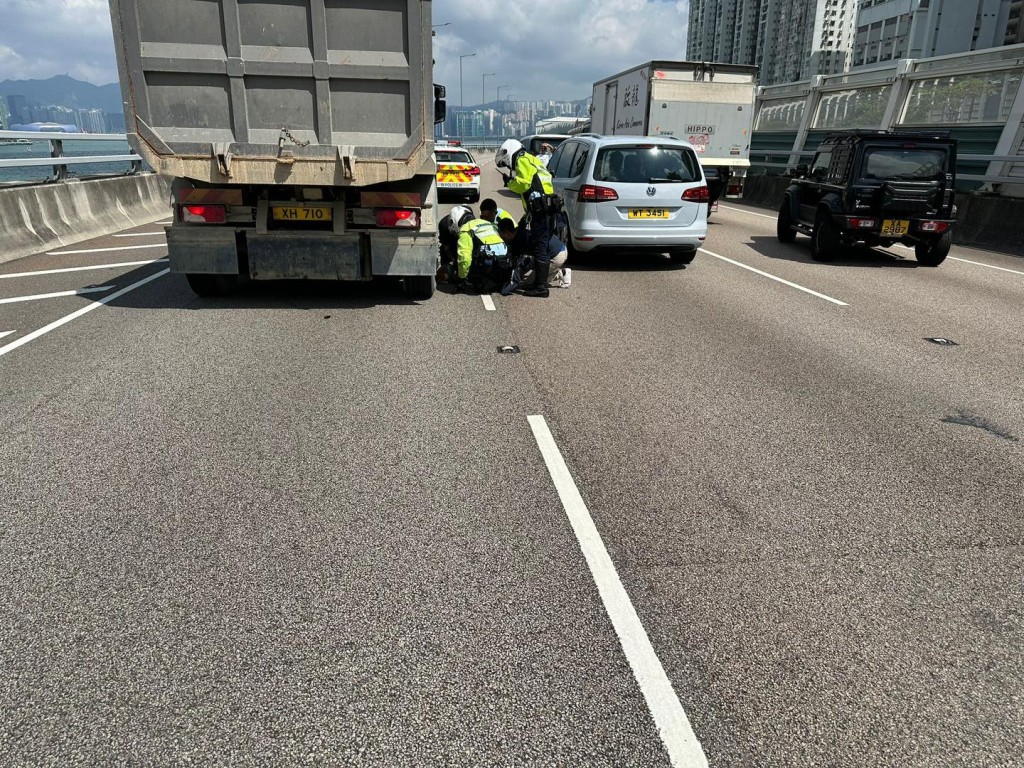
x,y
405,256
202,251
306,257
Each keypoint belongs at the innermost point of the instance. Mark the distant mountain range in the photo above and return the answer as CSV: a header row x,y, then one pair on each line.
x,y
65,91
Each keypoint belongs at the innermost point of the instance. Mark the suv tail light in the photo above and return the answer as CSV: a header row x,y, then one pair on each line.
x,y
697,194
204,214
590,193
862,223
398,217
934,226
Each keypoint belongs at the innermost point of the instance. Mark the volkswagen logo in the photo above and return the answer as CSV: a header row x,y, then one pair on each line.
x,y
651,191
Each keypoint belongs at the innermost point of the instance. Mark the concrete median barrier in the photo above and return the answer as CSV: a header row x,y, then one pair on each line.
x,y
44,216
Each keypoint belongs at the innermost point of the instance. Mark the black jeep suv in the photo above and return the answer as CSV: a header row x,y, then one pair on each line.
x,y
877,188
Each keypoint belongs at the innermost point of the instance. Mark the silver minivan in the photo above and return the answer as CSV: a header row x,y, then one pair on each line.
x,y
631,193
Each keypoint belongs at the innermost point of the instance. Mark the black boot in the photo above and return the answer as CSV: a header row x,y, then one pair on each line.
x,y
540,287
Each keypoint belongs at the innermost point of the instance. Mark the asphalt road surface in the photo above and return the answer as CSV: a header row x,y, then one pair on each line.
x,y
326,525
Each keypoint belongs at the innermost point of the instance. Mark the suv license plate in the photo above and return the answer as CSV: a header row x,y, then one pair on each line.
x,y
895,227
648,213
295,213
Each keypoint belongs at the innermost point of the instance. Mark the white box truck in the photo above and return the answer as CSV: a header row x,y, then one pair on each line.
x,y
298,134
709,105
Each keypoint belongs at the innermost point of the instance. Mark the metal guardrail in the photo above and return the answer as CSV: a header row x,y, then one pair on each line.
x,y
58,161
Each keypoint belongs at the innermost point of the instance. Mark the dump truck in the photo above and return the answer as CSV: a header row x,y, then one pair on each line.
x,y
707,104
298,136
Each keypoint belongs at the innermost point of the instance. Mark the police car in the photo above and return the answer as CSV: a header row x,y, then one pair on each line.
x,y
458,175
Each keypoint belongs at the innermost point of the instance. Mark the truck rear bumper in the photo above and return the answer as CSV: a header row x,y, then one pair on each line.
x,y
300,255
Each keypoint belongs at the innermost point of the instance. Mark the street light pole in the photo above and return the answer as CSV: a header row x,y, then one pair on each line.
x,y
462,100
483,86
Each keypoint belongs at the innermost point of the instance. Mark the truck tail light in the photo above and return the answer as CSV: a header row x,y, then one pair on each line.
x,y
934,226
697,194
398,217
204,214
590,193
735,189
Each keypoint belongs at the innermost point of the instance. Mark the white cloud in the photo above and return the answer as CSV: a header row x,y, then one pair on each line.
x,y
540,49
43,38
546,50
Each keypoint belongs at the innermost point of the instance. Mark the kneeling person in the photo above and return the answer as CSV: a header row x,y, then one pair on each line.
x,y
554,255
483,256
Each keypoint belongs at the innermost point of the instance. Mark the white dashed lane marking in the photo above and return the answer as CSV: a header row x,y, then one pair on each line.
x,y
673,725
775,278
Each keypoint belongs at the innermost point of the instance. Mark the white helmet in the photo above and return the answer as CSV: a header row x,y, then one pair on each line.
x,y
458,216
506,152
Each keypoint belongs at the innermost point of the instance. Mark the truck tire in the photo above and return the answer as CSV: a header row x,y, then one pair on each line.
x,y
212,285
931,253
421,287
784,225
824,239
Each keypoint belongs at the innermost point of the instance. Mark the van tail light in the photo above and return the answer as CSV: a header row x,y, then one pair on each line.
x,y
204,214
697,194
590,193
934,226
398,217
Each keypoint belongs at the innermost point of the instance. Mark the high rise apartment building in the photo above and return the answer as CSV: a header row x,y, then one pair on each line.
x,y
788,39
888,30
794,40
1015,23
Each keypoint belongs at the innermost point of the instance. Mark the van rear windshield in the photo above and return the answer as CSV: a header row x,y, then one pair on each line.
x,y
917,163
646,163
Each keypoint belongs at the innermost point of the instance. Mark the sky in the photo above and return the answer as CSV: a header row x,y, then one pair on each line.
x,y
540,49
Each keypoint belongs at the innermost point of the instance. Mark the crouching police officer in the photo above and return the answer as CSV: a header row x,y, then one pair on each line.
x,y
531,180
483,260
448,239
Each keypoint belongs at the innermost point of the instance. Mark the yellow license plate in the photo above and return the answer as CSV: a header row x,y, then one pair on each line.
x,y
895,227
295,213
648,213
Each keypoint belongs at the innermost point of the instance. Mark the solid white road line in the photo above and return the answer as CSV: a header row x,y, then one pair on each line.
x,y
673,725
57,294
105,250
776,279
488,302
990,266
83,269
743,210
6,333
142,234
78,313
